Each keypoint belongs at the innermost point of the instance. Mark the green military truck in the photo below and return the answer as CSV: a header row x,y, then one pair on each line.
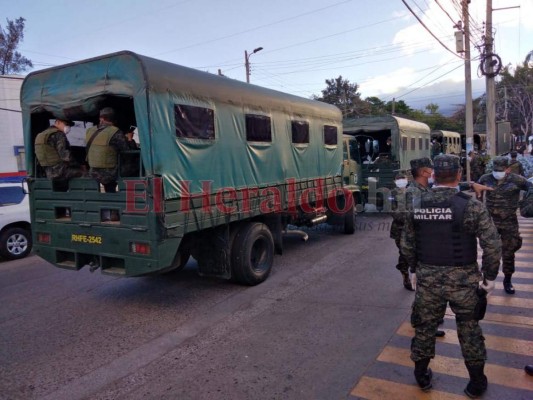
x,y
386,145
223,169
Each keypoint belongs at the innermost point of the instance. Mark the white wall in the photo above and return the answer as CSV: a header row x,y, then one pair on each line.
x,y
10,122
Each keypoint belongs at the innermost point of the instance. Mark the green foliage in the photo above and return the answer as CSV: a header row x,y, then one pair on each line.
x,y
343,94
11,61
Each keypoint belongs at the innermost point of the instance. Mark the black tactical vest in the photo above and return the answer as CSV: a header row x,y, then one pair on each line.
x,y
440,236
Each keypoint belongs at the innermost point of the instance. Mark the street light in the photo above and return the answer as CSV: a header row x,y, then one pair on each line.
x,y
247,62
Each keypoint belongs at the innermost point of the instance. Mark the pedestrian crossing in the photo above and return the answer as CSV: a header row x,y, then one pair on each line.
x,y
508,332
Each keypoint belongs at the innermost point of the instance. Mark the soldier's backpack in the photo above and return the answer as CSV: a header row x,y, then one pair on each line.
x,y
526,205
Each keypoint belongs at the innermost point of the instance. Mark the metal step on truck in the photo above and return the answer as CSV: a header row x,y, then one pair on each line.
x,y
223,169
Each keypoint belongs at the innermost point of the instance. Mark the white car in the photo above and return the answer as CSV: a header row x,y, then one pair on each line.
x,y
15,225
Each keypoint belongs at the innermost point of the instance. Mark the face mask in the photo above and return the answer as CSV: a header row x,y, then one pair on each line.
x,y
66,129
431,180
401,183
498,175
469,158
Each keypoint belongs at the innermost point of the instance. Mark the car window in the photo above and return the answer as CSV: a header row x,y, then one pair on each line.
x,y
11,195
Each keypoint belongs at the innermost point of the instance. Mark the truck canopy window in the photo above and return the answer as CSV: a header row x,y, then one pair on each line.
x,y
300,131
258,128
194,122
330,135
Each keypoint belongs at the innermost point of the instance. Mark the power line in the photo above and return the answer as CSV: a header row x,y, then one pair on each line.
x,y
431,33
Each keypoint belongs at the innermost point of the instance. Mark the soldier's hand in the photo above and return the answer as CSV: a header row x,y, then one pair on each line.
x,y
412,278
479,189
487,285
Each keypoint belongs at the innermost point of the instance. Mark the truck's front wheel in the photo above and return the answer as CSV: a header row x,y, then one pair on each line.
x,y
252,254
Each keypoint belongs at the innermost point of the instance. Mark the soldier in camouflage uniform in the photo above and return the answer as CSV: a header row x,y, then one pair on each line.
x,y
477,166
104,143
398,216
502,203
439,243
52,149
515,166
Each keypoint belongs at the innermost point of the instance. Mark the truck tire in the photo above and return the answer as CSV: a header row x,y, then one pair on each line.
x,y
15,243
180,260
252,254
349,221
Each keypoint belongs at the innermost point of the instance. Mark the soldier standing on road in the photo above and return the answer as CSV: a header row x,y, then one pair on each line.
x,y
398,216
502,203
52,149
103,144
439,243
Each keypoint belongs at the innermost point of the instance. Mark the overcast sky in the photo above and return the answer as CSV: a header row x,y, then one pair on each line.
x,y
375,43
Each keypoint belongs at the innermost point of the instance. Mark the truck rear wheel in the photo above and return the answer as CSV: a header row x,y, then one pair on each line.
x,y
252,254
349,220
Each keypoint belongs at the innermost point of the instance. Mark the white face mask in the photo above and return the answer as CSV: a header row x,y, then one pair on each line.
x,y
401,183
66,129
498,175
431,180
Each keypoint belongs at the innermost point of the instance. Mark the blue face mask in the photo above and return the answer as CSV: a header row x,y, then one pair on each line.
x,y
498,175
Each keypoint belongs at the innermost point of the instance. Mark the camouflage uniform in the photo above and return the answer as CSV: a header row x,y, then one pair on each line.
x,y
108,176
502,204
438,285
60,171
477,168
516,167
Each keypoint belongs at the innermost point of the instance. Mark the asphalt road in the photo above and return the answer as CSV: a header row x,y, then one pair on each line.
x,y
332,316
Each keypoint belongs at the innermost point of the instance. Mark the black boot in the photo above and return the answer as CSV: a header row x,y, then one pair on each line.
x,y
407,281
478,381
507,285
423,374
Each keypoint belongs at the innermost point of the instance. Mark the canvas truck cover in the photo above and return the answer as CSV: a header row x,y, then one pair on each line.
x,y
398,127
75,91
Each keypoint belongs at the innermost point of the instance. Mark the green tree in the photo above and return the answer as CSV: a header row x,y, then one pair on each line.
x,y
343,94
432,108
11,61
377,106
400,108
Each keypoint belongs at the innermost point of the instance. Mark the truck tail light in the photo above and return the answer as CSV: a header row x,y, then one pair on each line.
x,y
45,238
140,248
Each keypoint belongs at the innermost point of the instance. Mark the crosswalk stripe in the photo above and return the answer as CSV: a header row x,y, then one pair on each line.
x,y
510,301
506,319
523,264
498,343
520,274
505,376
523,287
379,389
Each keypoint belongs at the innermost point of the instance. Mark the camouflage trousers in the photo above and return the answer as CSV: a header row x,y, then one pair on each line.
x,y
507,225
402,265
436,287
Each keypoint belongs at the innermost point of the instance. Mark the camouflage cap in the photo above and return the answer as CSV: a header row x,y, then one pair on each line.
x,y
500,163
446,162
400,175
423,162
513,154
67,122
108,113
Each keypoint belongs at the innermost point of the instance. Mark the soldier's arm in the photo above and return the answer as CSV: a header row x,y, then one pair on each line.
x,y
62,146
408,242
118,141
489,239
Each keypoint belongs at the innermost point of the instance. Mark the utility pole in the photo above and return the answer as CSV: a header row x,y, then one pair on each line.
x,y
492,144
247,62
469,113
